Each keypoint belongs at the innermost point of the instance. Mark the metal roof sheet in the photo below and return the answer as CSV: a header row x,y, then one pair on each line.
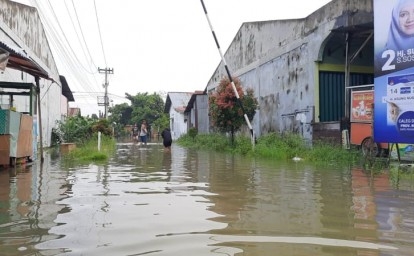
x,y
177,100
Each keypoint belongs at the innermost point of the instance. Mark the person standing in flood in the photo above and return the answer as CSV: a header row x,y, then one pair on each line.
x,y
166,139
143,132
135,133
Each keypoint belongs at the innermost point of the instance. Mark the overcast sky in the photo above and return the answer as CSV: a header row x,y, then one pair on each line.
x,y
152,46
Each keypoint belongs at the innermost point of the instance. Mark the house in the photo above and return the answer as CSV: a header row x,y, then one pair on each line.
x,y
74,112
66,97
196,112
175,106
29,80
301,70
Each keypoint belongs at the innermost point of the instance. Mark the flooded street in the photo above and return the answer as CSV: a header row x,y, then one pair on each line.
x,y
149,202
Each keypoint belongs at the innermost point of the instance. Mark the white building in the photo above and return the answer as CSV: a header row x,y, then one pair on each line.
x,y
175,106
28,59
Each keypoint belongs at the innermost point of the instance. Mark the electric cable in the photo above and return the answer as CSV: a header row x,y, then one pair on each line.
x,y
100,35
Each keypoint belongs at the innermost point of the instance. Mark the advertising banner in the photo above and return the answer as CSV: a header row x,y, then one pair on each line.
x,y
361,102
394,71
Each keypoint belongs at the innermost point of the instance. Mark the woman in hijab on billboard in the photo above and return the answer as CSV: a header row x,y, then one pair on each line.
x,y
401,34
399,50
394,72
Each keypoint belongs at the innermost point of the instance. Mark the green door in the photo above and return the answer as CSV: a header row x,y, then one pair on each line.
x,y
332,93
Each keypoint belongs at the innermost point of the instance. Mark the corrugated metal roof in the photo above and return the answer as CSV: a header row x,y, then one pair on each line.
x,y
177,100
19,60
190,103
65,89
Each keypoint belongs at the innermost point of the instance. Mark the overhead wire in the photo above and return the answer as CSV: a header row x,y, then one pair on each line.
x,y
100,34
76,31
83,36
64,35
70,56
62,49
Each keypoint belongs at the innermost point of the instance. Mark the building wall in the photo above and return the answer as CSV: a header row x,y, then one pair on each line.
x,y
64,106
22,29
203,120
279,60
178,126
24,22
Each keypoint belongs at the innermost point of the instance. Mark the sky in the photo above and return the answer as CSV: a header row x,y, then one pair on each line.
x,y
152,46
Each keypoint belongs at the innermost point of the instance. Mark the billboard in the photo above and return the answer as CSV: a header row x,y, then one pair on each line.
x,y
361,106
394,71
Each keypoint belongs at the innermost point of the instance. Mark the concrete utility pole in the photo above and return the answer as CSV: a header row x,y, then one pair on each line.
x,y
106,101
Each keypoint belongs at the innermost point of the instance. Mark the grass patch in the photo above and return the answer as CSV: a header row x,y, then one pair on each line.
x,y
275,146
88,151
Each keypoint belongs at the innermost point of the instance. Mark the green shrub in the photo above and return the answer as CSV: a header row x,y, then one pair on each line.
x,y
192,132
79,129
276,146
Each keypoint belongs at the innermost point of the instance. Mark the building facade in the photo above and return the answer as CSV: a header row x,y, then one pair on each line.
x,y
175,106
30,60
301,69
196,112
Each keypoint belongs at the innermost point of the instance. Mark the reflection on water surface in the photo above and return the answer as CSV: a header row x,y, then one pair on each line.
x,y
149,202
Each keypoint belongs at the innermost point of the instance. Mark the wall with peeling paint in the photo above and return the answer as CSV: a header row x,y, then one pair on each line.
x,y
279,60
25,23
22,30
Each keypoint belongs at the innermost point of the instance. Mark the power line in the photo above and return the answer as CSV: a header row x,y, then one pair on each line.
x,y
100,35
77,34
61,48
64,35
83,36
106,71
69,56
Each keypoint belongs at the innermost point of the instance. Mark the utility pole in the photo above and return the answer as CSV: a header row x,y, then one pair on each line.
x,y
106,101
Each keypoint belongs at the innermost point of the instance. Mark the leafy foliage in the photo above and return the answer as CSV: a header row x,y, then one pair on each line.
x,y
75,129
120,114
226,116
78,129
192,132
276,146
102,126
143,106
161,123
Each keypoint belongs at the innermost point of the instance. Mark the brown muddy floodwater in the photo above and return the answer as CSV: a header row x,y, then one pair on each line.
x,y
187,202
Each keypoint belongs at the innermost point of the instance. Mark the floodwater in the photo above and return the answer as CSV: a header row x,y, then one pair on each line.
x,y
149,202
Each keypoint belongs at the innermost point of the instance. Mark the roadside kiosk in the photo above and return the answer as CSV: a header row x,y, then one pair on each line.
x,y
361,117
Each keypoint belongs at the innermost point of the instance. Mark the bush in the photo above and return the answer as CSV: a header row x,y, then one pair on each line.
x,y
275,146
78,129
192,132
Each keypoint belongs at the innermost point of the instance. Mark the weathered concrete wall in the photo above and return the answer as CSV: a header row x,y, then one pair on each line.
x,y
178,126
25,23
278,60
203,120
22,30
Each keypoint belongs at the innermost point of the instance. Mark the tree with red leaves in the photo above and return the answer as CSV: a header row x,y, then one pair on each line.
x,y
225,112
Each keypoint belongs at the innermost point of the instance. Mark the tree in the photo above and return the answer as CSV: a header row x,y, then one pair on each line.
x,y
226,114
161,123
143,106
120,114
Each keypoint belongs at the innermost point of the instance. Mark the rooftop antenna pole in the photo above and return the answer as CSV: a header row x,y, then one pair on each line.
x,y
246,118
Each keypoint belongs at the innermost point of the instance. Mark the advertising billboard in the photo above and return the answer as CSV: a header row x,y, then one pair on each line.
x,y
394,71
361,106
